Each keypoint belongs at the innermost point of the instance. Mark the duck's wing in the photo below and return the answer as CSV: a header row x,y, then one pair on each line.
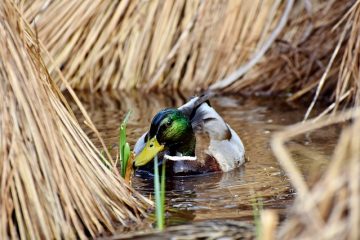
x,y
204,118
189,109
223,142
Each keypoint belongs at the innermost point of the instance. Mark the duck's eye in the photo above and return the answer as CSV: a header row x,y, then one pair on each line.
x,y
151,145
168,123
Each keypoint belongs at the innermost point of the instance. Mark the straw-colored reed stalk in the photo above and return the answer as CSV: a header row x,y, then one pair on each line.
x,y
330,208
154,44
251,46
317,53
292,47
52,181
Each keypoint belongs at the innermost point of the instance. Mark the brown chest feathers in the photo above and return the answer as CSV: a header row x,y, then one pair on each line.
x,y
205,163
185,168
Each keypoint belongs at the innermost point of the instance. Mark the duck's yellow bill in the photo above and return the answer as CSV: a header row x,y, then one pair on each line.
x,y
151,148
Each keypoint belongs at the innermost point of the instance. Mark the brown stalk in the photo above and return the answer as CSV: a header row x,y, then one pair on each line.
x,y
53,183
330,208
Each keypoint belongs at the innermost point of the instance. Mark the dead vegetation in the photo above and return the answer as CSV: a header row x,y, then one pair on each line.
x,y
53,184
180,44
151,44
330,208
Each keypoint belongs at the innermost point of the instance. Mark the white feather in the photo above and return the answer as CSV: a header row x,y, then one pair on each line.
x,y
228,153
180,158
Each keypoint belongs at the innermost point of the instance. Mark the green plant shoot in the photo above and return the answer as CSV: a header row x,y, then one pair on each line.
x,y
257,205
163,189
124,147
159,195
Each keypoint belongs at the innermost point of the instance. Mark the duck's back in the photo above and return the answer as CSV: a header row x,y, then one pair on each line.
x,y
223,143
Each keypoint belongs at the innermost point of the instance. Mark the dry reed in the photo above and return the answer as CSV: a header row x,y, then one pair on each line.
x,y
330,208
298,48
53,183
251,46
152,44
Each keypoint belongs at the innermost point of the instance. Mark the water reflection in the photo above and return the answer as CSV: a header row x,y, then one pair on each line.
x,y
217,195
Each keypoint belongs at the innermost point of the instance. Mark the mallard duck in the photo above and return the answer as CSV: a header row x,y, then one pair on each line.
x,y
194,136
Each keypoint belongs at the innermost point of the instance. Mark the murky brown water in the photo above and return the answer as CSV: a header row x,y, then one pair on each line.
x,y
226,195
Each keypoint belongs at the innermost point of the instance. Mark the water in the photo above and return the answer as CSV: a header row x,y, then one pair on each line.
x,y
218,195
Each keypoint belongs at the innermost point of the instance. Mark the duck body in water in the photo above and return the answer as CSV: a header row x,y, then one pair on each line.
x,y
194,136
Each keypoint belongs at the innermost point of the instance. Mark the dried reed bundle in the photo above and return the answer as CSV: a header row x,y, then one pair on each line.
x,y
153,44
52,182
317,53
330,209
309,46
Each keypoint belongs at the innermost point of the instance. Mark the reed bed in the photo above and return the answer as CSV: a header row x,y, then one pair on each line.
x,y
53,183
316,55
329,208
151,44
297,48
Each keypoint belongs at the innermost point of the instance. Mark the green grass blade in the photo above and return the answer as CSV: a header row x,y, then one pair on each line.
x,y
124,149
162,185
126,154
122,142
257,205
158,203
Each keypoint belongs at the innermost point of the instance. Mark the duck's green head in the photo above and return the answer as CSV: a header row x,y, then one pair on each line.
x,y
170,130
